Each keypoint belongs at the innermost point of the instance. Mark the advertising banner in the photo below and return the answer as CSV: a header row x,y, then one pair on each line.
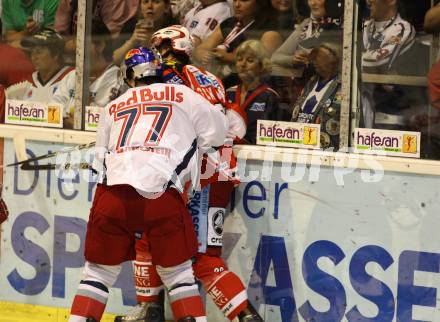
x,y
385,142
33,113
310,243
288,134
92,118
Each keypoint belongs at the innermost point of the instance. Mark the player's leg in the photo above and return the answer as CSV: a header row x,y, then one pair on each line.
x,y
149,288
223,286
92,293
106,230
173,243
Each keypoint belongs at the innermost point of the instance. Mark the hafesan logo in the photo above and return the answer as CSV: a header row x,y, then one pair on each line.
x,y
310,137
409,143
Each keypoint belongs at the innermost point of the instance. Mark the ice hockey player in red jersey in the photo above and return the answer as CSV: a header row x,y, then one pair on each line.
x,y
207,207
147,145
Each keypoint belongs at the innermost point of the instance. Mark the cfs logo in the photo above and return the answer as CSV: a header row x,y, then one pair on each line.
x,y
409,143
217,222
53,114
310,135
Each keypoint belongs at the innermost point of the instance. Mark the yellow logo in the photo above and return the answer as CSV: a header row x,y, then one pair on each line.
x,y
310,136
409,143
53,114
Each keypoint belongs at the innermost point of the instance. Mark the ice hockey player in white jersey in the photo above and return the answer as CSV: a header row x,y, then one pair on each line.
x,y
147,142
124,140
218,178
203,18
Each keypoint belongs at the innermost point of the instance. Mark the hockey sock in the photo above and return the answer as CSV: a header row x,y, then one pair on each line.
x,y
91,296
185,301
147,281
228,293
89,301
183,293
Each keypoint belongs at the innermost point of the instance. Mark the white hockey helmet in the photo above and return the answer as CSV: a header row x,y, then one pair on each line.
x,y
179,36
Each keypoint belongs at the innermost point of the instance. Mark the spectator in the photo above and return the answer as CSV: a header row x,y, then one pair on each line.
x,y
432,25
46,51
432,19
204,18
15,66
285,15
22,18
386,38
291,57
429,122
257,99
113,13
152,16
104,75
251,17
320,101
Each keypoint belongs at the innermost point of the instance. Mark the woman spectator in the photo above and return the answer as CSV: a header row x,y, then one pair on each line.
x,y
113,13
320,101
250,21
286,15
257,99
152,16
292,57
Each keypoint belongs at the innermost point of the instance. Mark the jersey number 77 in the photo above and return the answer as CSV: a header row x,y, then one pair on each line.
x,y
158,115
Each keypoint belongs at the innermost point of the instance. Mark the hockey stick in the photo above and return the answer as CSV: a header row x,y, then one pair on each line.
x,y
25,164
54,166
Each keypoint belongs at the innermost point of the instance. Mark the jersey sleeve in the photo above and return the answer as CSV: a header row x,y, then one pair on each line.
x,y
209,121
65,92
102,141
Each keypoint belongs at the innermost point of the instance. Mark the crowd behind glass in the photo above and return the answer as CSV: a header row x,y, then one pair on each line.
x,y
278,59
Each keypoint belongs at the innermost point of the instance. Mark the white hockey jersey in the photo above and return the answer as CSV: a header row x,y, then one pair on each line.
x,y
39,92
201,21
149,137
384,42
102,90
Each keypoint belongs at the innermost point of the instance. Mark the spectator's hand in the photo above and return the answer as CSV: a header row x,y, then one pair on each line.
x,y
219,53
207,58
31,26
300,58
140,35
